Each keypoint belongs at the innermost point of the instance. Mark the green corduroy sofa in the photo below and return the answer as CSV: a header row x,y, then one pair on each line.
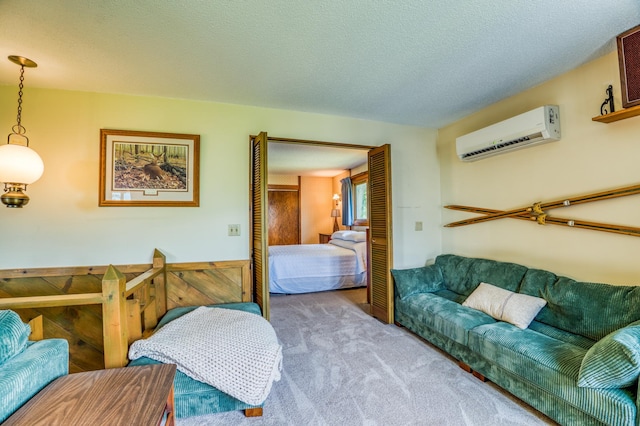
x,y
578,361
26,367
194,398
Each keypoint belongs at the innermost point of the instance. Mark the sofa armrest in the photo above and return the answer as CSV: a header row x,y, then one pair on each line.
x,y
425,279
25,374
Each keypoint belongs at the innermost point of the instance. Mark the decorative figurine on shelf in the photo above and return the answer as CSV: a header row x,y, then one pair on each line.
x,y
608,100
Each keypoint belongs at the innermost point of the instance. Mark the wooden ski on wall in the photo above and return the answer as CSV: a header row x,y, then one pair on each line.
x,y
536,212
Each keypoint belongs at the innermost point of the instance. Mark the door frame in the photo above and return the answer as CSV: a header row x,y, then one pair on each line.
x,y
274,139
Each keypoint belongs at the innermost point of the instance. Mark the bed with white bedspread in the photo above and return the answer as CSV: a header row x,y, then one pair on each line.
x,y
306,268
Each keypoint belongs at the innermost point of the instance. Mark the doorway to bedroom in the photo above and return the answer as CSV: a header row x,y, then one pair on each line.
x,y
290,164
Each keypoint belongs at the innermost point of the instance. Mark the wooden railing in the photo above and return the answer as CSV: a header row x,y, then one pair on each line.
x,y
129,309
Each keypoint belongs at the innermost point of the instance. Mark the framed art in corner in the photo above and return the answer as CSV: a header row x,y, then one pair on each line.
x,y
629,60
149,169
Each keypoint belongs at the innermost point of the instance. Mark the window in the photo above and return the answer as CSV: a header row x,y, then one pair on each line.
x,y
360,184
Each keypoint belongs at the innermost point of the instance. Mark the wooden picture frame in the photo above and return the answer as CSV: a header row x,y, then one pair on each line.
x,y
629,61
149,169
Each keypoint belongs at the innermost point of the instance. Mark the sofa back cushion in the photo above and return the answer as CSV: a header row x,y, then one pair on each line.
x,y
588,309
463,274
14,335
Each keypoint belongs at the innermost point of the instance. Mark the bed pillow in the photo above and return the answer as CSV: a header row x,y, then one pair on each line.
x,y
614,361
355,236
426,279
341,235
14,335
504,305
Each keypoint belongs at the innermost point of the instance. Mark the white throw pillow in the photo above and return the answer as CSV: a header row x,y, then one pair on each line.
x,y
504,305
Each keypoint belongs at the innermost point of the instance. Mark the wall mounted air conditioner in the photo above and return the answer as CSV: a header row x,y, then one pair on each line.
x,y
537,126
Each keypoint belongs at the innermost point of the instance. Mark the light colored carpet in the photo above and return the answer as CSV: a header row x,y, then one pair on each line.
x,y
342,367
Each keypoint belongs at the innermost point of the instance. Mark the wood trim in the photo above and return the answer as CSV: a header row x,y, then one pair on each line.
x,y
37,328
51,301
69,270
360,177
357,180
291,188
125,269
319,143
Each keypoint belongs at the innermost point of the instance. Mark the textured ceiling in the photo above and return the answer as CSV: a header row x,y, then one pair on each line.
x,y
419,62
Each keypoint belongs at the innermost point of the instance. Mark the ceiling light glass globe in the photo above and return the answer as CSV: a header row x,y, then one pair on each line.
x,y
19,164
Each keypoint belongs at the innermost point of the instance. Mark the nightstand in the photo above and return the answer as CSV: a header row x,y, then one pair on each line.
x,y
324,238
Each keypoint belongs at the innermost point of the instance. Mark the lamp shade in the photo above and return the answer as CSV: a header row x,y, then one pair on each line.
x,y
19,164
335,212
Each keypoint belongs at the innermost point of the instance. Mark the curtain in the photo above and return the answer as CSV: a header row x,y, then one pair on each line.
x,y
347,202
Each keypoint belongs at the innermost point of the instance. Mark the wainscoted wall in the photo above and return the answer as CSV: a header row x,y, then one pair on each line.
x,y
188,284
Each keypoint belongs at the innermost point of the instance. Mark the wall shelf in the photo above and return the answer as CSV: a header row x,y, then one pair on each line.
x,y
618,115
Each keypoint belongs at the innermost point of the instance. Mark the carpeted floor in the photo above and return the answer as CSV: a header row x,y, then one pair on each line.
x,y
342,367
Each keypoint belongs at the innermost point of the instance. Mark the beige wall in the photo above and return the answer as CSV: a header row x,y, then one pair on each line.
x,y
316,205
590,157
63,225
282,180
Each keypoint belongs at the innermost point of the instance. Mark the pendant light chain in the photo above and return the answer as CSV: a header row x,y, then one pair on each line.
x,y
18,127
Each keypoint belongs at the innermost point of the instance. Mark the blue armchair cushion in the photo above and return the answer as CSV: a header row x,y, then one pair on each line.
x,y
426,279
614,361
14,335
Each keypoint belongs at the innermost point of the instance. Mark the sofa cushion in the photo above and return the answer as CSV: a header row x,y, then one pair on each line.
x,y
519,350
545,363
14,335
614,361
444,316
589,309
504,305
463,274
562,335
417,280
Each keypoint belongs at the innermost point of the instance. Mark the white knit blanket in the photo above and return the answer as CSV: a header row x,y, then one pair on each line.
x,y
234,351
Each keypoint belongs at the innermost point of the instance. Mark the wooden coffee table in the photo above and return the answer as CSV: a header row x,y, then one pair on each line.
x,y
117,396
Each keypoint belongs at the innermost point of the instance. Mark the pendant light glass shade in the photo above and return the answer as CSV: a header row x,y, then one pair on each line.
x,y
19,164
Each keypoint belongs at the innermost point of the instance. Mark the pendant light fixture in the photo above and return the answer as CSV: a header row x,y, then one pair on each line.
x,y
19,165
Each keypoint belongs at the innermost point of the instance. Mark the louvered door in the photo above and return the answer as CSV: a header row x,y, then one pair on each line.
x,y
259,225
381,236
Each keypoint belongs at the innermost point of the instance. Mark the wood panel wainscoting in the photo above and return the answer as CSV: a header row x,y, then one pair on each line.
x,y
73,302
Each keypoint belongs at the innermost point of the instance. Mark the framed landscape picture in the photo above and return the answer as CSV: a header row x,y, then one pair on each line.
x,y
149,169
